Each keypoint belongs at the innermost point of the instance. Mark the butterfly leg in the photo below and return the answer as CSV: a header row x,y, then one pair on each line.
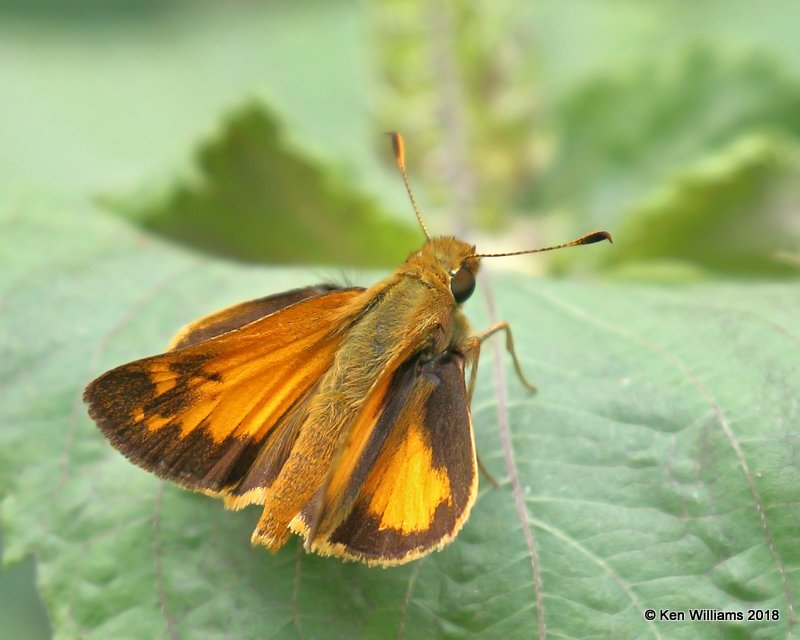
x,y
473,351
485,471
495,328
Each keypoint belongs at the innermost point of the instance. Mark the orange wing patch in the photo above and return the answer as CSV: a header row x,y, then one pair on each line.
x,y
405,488
200,415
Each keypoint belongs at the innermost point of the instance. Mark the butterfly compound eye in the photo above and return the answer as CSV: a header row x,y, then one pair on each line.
x,y
462,284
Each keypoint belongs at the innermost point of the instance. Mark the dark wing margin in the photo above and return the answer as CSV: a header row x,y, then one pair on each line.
x,y
193,459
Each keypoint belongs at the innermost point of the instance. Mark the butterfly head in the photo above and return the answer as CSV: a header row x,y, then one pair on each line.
x,y
452,263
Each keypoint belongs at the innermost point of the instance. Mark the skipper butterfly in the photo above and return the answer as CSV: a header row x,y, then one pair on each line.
x,y
343,411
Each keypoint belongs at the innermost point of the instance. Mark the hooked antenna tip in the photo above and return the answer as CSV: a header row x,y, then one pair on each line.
x,y
597,236
398,148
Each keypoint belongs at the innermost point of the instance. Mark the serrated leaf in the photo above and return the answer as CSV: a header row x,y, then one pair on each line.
x,y
711,134
256,198
656,467
733,214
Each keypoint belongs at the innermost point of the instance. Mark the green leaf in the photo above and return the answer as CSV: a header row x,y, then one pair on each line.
x,y
21,608
692,159
656,467
622,134
733,214
259,199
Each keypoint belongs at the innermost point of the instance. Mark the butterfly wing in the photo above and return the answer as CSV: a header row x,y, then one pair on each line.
x,y
201,414
411,485
238,315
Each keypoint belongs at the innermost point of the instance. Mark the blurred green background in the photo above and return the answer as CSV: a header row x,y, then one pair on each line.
x,y
254,131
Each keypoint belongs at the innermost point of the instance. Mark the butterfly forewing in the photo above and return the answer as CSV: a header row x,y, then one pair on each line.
x,y
238,315
200,415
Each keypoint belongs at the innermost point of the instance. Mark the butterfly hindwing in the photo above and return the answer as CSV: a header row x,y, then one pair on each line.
x,y
416,479
200,415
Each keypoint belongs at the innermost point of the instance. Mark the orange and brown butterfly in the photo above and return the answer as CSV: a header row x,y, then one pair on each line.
x,y
343,411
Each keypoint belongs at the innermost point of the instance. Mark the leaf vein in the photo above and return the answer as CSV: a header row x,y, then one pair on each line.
x,y
721,419
511,466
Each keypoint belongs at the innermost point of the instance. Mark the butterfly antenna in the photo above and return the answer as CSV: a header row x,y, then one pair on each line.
x,y
399,156
589,238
